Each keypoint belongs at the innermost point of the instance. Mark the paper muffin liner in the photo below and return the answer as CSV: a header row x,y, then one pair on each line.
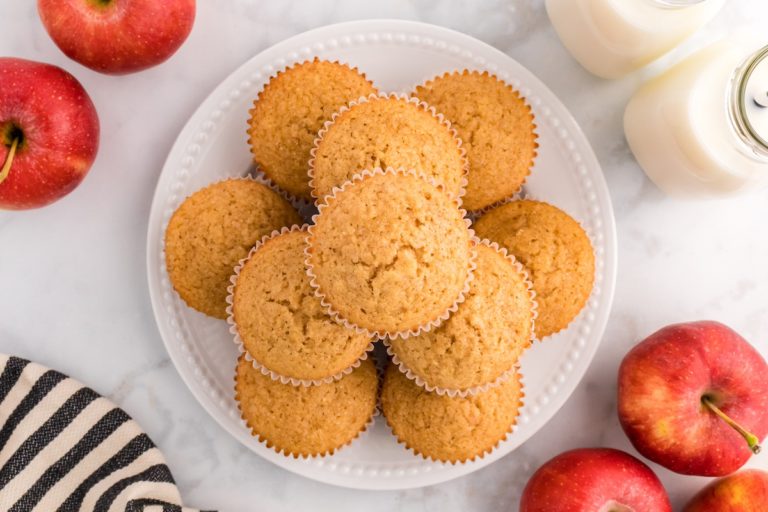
x,y
284,379
481,454
523,196
391,96
365,430
482,388
251,112
534,127
381,334
529,197
517,196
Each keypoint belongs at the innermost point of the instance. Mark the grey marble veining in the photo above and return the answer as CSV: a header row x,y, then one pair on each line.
x,y
72,276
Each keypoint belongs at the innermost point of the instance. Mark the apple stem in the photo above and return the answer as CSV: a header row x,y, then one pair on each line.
x,y
752,440
9,160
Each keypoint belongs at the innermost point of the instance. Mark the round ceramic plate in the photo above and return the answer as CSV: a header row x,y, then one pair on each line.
x,y
396,55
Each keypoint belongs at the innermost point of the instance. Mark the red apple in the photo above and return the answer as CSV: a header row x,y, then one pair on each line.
x,y
594,480
745,491
49,133
118,36
691,394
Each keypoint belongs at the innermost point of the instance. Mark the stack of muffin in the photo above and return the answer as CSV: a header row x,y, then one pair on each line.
x,y
390,257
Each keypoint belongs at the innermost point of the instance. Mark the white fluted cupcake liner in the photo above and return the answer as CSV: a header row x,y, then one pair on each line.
x,y
482,388
381,334
241,344
517,196
390,96
520,196
516,193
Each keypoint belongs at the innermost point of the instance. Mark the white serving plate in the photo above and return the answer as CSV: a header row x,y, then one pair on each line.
x,y
396,55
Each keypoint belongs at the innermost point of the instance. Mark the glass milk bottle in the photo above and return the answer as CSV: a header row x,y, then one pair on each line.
x,y
701,128
614,37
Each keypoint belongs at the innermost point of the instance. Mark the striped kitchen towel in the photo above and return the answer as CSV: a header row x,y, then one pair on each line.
x,y
65,448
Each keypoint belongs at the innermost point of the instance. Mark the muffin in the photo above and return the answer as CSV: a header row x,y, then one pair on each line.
x,y
306,421
279,320
480,343
387,131
555,250
212,231
449,429
496,126
290,111
390,253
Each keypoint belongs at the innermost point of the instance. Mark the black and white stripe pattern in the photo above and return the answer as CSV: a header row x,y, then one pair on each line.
x,y
65,448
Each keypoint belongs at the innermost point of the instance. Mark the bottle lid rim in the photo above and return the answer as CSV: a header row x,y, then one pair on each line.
x,y
743,101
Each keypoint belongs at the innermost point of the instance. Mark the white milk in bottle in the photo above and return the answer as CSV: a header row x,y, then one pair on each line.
x,y
611,38
701,128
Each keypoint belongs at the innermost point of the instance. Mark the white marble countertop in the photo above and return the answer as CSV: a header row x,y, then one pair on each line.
x,y
73,291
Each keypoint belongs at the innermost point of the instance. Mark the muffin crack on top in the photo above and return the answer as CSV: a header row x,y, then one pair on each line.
x,y
404,250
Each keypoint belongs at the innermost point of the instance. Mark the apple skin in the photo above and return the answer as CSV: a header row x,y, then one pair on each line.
x,y
745,491
118,36
60,129
661,384
594,480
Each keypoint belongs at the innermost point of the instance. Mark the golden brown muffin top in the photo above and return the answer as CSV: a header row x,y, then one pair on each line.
x,y
390,253
483,340
555,250
280,320
449,429
387,131
212,231
496,126
306,421
290,111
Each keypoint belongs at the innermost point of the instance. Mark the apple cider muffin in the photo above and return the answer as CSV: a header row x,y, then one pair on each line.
x,y
387,131
289,112
281,323
445,428
496,126
212,231
481,342
554,249
304,421
390,253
